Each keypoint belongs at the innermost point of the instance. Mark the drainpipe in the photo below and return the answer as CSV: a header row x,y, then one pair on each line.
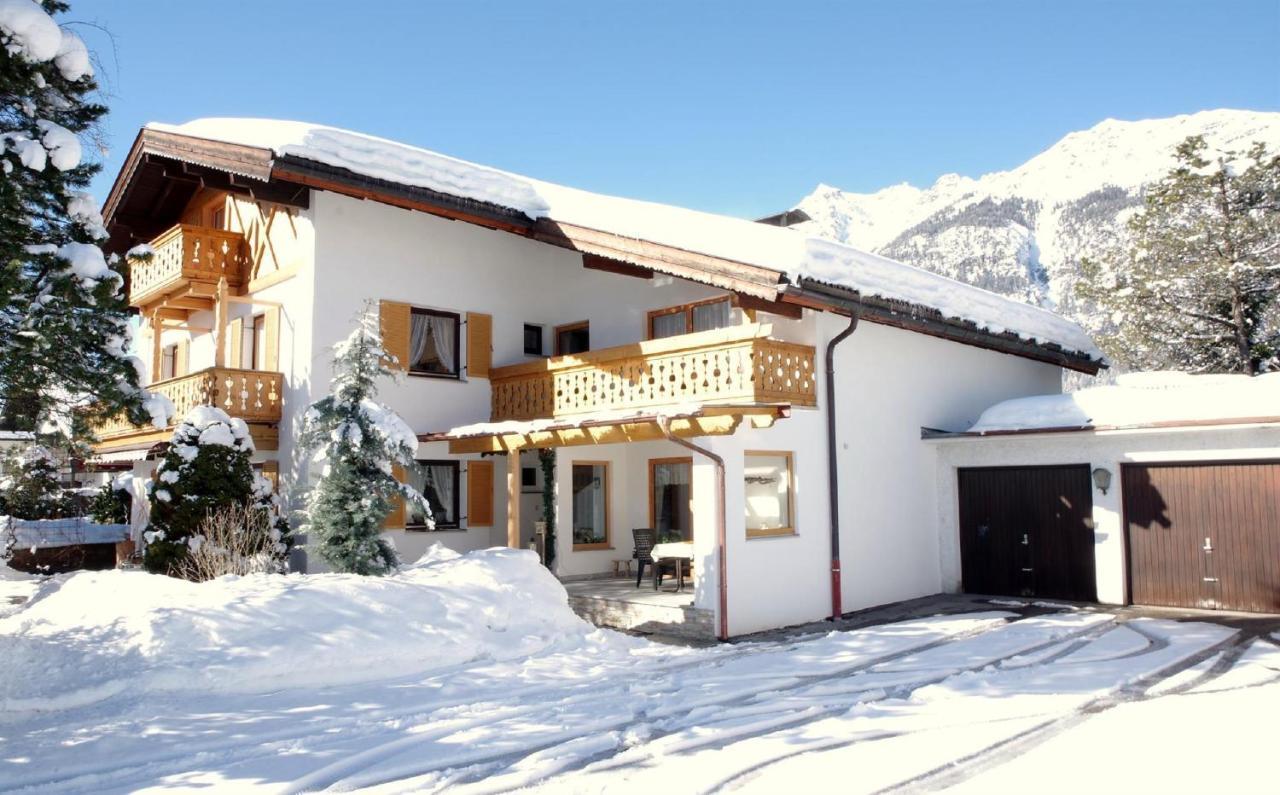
x,y
664,425
833,482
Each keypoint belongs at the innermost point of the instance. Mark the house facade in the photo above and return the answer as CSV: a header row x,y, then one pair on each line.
x,y
674,362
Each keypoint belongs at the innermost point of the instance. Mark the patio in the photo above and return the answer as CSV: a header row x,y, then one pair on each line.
x,y
616,602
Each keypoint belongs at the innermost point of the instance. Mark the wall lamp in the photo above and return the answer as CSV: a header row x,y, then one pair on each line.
x,y
1102,479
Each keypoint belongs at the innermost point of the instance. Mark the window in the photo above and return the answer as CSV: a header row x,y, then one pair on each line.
x,y
670,511
529,479
769,494
532,339
433,343
590,505
169,361
438,482
688,318
257,342
573,338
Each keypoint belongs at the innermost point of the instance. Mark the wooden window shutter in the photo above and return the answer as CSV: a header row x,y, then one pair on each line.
x,y
394,319
479,344
236,354
271,357
395,519
182,358
480,493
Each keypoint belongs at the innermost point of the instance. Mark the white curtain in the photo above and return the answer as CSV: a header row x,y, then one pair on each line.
x,y
588,504
419,336
709,316
668,325
440,480
444,332
671,498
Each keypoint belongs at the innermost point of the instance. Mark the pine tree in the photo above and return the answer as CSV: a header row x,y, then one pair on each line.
x,y
64,330
30,489
206,468
1199,287
358,440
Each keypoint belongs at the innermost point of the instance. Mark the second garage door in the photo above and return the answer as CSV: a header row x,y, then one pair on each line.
x,y
1204,534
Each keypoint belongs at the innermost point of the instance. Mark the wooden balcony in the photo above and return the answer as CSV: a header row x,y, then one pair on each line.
x,y
252,395
734,365
188,263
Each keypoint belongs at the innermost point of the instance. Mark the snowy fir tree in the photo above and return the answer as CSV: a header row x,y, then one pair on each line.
x,y
112,502
30,488
1198,289
64,331
357,441
205,469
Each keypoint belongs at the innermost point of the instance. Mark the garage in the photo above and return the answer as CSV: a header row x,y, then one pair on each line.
x,y
1203,534
1027,532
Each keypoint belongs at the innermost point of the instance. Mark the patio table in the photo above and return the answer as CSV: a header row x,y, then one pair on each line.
x,y
672,550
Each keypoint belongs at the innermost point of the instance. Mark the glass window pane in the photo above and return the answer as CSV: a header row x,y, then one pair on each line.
x,y
533,339
710,316
672,516
438,482
433,343
668,325
590,484
768,491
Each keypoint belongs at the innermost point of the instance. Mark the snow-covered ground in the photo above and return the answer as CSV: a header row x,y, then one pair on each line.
x,y
508,690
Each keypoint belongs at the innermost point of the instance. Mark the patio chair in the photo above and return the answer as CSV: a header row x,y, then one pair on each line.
x,y
644,538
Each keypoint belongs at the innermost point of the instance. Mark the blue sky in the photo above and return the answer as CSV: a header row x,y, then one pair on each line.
x,y
739,108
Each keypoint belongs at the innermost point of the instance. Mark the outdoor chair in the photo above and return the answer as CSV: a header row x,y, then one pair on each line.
x,y
644,538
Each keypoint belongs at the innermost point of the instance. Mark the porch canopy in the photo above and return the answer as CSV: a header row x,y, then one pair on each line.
x,y
615,427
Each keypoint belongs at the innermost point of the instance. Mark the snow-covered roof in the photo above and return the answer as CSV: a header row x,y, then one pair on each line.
x,y
787,251
1141,399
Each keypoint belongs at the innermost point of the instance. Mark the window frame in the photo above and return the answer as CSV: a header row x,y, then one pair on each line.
x,y
607,543
258,329
558,330
168,360
653,464
542,339
456,375
687,309
456,524
775,532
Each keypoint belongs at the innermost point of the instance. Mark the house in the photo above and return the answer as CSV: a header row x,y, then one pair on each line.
x,y
739,385
1163,489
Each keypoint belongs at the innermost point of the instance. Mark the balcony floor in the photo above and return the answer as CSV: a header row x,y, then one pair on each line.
x,y
617,603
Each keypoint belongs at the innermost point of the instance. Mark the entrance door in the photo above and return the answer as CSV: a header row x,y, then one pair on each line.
x,y
670,496
1028,531
1204,534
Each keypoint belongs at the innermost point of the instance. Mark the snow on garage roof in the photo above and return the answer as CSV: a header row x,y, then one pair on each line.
x,y
786,251
1141,399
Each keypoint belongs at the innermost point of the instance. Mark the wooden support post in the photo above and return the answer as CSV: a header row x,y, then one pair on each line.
x,y
513,498
157,326
220,325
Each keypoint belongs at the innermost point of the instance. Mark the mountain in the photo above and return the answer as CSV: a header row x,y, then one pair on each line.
x,y
1023,232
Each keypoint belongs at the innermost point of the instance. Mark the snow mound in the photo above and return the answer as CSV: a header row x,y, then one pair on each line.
x,y
1141,399
89,636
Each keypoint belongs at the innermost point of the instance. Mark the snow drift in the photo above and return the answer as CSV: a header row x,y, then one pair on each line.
x,y
93,635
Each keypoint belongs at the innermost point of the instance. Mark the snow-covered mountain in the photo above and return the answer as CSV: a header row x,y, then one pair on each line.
x,y
1023,232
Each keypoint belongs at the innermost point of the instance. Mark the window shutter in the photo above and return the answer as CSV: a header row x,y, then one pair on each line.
x,y
480,493
395,323
181,358
271,358
236,354
395,519
479,344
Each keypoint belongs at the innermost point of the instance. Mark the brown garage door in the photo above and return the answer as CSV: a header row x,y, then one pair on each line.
x,y
1027,531
1204,534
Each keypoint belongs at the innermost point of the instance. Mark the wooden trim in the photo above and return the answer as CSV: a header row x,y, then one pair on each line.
x,y
394,520
513,499
753,304
687,309
555,336
770,532
235,349
458,364
653,462
608,504
394,323
598,263
479,344
271,280
480,493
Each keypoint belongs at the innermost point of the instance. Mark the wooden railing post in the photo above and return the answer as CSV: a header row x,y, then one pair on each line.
x,y
220,325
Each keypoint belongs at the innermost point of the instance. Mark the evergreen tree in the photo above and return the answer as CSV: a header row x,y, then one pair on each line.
x,y
358,440
206,468
64,331
30,489
1199,288
111,503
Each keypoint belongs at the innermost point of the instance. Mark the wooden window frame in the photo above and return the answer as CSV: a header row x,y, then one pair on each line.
x,y
259,326
687,309
456,524
168,356
542,340
557,330
457,344
653,462
608,505
774,532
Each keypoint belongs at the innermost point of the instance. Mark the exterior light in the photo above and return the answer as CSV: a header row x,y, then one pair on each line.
x,y
1102,479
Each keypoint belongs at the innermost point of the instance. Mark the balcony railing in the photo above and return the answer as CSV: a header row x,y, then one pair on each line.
x,y
251,395
736,365
185,254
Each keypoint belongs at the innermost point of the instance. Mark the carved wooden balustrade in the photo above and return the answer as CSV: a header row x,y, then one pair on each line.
x,y
735,365
251,395
187,254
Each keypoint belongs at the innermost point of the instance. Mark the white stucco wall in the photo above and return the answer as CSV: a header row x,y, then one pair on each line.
x,y
1107,449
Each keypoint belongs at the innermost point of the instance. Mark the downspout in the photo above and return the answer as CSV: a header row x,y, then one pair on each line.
x,y
664,425
833,482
